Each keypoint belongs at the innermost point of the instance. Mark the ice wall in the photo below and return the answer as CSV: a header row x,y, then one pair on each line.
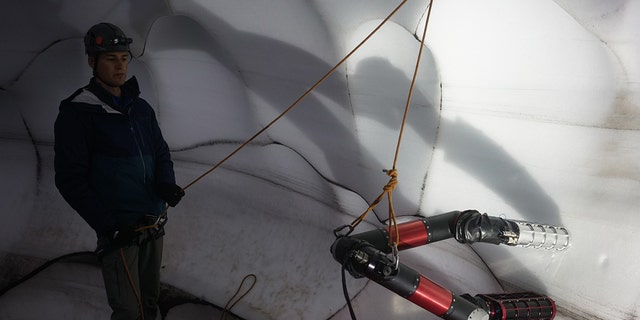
x,y
527,109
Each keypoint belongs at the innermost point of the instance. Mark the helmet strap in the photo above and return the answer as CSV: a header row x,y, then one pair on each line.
x,y
95,62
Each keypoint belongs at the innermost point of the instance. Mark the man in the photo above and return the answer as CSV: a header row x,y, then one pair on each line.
x,y
114,168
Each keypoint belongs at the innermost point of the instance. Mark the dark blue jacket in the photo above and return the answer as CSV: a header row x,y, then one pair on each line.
x,y
109,156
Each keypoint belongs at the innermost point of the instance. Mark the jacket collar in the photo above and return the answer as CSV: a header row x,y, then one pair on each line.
x,y
130,91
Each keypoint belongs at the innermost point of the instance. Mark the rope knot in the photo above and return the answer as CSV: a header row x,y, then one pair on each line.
x,y
393,182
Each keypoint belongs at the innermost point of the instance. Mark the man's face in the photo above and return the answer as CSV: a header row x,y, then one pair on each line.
x,y
111,67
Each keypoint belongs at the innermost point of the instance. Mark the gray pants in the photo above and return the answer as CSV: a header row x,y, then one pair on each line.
x,y
142,280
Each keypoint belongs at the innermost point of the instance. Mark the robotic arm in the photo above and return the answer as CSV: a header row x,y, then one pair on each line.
x,y
366,255
469,226
361,259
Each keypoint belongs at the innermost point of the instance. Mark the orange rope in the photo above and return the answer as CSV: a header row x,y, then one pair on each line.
x,y
227,308
304,95
413,82
294,104
133,285
390,186
388,189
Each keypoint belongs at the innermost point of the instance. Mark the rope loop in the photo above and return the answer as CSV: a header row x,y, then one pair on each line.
x,y
230,304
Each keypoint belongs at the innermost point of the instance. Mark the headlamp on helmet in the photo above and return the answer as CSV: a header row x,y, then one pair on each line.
x,y
105,37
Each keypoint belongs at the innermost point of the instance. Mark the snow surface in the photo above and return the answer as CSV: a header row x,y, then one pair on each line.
x,y
529,109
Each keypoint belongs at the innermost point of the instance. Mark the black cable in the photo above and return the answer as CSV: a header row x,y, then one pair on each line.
x,y
346,293
42,268
164,308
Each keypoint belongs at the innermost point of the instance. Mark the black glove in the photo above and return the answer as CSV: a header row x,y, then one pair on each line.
x,y
171,193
